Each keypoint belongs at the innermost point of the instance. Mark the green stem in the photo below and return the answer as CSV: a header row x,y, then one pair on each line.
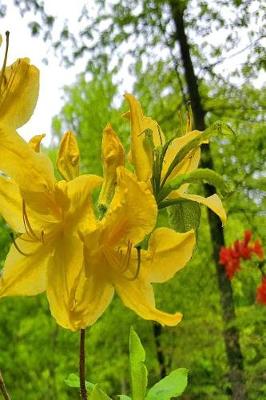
x,y
83,391
3,388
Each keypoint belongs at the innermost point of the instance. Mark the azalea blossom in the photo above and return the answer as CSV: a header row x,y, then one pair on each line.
x,y
261,292
59,245
114,262
142,158
231,256
47,255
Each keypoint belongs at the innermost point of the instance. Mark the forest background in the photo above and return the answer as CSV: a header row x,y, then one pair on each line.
x,y
180,54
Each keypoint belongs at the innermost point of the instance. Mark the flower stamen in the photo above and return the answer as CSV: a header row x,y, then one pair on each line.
x,y
28,227
135,276
2,77
18,249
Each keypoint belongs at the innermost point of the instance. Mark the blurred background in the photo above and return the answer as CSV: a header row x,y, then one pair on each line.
x,y
173,55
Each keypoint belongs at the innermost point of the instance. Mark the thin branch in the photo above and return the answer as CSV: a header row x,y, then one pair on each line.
x,y
3,388
83,390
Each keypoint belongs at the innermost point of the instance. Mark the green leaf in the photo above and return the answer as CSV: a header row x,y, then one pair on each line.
x,y
199,175
172,385
184,216
99,394
73,381
138,370
124,397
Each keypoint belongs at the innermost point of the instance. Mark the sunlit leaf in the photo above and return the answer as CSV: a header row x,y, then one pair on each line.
x,y
138,370
172,385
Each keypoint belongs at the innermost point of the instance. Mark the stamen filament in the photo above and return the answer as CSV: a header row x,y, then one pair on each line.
x,y
125,261
5,61
27,224
17,248
138,265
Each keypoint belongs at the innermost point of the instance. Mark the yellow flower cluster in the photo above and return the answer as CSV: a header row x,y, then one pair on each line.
x,y
60,246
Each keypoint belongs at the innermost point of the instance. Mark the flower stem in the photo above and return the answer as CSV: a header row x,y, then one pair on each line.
x,y
83,391
3,388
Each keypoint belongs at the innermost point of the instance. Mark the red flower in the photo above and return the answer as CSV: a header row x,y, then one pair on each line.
x,y
247,237
261,292
258,249
231,256
230,260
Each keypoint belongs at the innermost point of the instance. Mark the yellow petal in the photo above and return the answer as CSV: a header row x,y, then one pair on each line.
x,y
141,156
64,269
78,206
25,274
11,204
93,295
168,252
68,157
19,93
189,163
139,297
113,156
213,202
33,172
35,142
132,212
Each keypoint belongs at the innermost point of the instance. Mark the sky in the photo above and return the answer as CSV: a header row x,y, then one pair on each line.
x,y
54,76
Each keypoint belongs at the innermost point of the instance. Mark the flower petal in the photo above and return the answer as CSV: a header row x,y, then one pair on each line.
x,y
33,172
11,204
213,202
113,156
68,157
138,296
20,93
25,274
132,213
63,271
80,213
35,142
168,252
141,156
189,163
93,295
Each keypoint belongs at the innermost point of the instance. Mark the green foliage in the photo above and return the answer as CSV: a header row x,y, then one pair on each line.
x,y
173,384
138,370
184,216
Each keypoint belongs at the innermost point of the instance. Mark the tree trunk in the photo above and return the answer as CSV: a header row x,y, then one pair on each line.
x,y
157,331
231,334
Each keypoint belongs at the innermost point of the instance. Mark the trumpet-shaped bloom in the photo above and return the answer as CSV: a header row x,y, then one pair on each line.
x,y
19,89
140,156
48,253
113,261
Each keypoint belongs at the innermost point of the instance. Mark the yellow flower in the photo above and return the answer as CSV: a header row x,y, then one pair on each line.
x,y
113,156
19,89
140,128
114,262
48,253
